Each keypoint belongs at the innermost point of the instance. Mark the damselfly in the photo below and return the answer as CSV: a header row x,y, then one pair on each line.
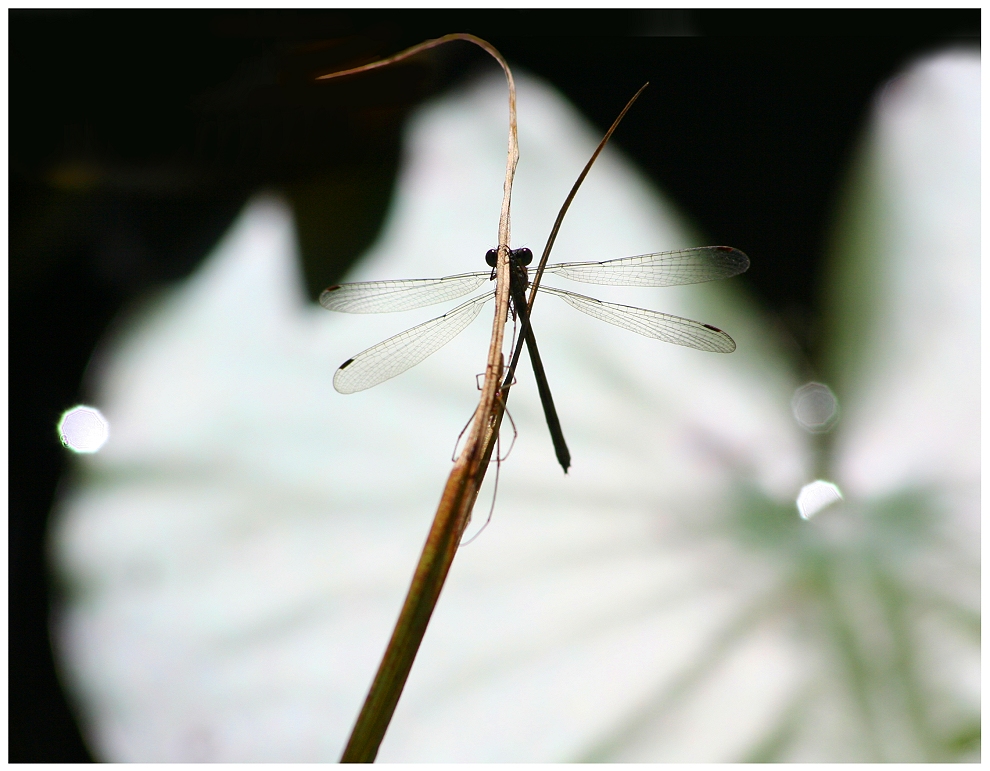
x,y
406,349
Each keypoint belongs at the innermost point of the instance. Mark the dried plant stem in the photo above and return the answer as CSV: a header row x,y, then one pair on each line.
x,y
465,478
538,274
535,282
463,484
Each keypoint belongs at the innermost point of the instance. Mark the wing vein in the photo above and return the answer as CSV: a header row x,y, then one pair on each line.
x,y
661,326
685,266
401,295
407,349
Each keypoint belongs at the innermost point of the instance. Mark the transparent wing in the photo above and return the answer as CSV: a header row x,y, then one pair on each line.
x,y
662,326
686,266
404,295
407,349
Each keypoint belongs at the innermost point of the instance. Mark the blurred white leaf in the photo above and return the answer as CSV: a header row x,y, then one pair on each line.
x,y
239,550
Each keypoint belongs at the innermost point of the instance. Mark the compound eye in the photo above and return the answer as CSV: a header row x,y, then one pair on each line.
x,y
492,257
523,256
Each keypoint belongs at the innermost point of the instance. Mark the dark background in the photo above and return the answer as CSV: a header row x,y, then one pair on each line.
x,y
135,137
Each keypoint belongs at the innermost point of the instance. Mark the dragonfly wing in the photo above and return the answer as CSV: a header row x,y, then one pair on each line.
x,y
406,349
662,326
686,266
387,296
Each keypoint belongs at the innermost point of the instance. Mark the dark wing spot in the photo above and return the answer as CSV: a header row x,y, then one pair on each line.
x,y
331,288
725,248
349,361
707,326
